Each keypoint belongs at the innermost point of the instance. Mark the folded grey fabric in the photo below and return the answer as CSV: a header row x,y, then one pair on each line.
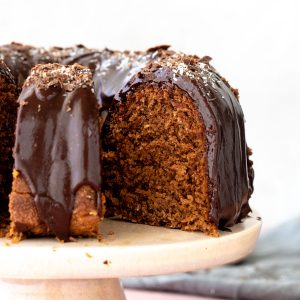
x,y
271,272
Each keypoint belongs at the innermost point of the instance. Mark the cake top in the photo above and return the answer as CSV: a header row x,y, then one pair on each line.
x,y
197,69
41,55
17,58
60,54
111,69
13,46
67,77
15,51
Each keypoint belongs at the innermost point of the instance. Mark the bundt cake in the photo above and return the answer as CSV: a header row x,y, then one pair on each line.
x,y
8,115
56,185
173,143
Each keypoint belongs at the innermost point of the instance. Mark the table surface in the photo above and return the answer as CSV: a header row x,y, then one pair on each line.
x,y
126,249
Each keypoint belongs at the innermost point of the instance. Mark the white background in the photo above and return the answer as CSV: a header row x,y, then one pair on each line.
x,y
255,44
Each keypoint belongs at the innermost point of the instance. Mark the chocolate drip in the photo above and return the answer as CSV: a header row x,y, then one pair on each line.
x,y
57,150
230,203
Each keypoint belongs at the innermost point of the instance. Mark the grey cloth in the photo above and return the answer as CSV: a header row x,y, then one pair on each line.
x,y
271,272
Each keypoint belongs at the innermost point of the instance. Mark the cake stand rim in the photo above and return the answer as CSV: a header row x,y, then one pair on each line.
x,y
51,260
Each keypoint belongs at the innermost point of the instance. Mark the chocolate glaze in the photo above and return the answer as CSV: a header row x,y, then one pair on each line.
x,y
21,58
5,73
230,171
57,150
17,58
111,69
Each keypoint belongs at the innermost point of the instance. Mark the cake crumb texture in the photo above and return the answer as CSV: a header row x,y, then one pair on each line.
x,y
155,161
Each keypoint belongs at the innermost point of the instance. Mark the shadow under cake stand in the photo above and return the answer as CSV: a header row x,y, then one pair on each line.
x,y
43,268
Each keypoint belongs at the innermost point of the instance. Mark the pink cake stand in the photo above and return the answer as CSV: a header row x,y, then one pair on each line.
x,y
43,268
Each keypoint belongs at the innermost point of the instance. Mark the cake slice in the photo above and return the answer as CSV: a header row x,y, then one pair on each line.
x,y
8,115
56,185
174,150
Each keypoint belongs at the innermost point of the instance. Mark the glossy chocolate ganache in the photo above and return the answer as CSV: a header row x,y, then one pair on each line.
x,y
111,69
57,141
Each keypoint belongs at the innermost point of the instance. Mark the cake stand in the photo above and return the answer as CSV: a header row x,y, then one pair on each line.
x,y
44,268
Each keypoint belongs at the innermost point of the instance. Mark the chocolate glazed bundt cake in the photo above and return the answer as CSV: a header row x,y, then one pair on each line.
x,y
8,115
173,143
56,185
174,150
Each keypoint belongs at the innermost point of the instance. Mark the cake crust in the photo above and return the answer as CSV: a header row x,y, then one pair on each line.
x,y
25,220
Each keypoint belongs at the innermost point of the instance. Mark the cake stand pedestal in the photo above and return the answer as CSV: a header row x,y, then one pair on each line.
x,y
44,268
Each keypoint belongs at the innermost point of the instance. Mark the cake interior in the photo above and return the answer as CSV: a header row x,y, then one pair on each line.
x,y
155,160
8,110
